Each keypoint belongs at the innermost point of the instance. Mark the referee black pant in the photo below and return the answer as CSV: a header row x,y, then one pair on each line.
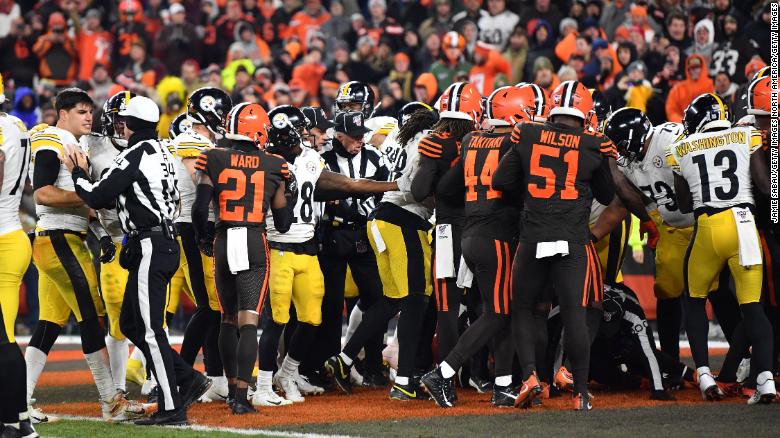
x,y
154,260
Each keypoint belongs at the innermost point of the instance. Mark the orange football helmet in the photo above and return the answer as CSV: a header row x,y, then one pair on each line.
x,y
571,98
506,106
460,100
538,102
760,97
249,122
131,8
453,40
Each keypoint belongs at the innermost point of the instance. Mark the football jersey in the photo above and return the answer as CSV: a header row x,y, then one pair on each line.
x,y
244,184
101,153
54,139
307,169
186,145
558,163
445,151
15,144
487,211
404,160
655,178
716,166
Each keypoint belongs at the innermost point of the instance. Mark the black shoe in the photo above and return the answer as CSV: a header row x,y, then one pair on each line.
x,y
661,395
317,378
481,385
27,429
241,408
154,395
408,392
442,390
10,432
582,402
199,385
374,381
340,372
230,401
503,396
174,417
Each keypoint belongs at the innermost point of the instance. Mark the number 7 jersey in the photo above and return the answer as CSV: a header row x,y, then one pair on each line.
x,y
307,169
716,166
244,184
15,144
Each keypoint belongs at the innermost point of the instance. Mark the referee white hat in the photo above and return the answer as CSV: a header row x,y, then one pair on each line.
x,y
142,108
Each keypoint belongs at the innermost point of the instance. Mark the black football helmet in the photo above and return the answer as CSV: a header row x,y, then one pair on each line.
x,y
181,123
209,106
628,128
112,124
601,108
407,110
354,92
706,112
288,127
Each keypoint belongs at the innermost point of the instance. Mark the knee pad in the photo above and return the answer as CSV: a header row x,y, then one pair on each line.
x,y
91,336
44,336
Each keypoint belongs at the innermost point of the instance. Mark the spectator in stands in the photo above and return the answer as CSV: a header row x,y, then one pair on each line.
x,y
739,109
703,40
358,29
425,88
92,41
57,52
253,47
633,89
696,82
726,89
16,56
440,22
226,26
101,84
171,93
542,45
733,52
308,21
177,41
190,75
310,71
758,31
338,26
299,93
490,69
401,74
677,30
26,106
544,76
566,73
429,54
626,54
516,53
472,11
142,69
380,24
613,15
128,31
365,54
496,26
452,63
236,82
9,11
542,10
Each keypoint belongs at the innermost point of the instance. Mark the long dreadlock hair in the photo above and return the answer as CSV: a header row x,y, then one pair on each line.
x,y
418,121
457,128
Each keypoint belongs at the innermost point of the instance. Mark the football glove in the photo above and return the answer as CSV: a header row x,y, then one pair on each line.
x,y
649,228
107,250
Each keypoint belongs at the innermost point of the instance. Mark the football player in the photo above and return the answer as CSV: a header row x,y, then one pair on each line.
x,y
247,181
713,166
561,166
206,110
15,254
296,277
354,96
318,126
489,242
67,280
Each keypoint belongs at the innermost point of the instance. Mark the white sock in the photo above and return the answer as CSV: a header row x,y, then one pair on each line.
x,y
138,355
101,372
355,317
703,370
347,360
764,377
264,380
14,425
36,360
289,366
118,356
401,380
446,370
23,416
503,380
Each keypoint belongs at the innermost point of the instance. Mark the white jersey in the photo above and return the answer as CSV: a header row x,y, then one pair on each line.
x,y
407,161
716,166
54,139
655,178
15,144
188,144
101,153
496,29
307,169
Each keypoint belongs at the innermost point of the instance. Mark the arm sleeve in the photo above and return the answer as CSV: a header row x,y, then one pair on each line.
x,y
509,172
200,208
47,168
602,184
116,180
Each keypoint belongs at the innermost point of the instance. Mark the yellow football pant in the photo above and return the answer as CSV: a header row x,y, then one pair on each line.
x,y
611,249
15,253
183,278
113,280
405,264
296,278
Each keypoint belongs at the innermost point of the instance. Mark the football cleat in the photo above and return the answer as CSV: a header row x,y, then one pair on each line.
x,y
305,386
355,377
582,402
174,417
661,395
564,380
266,397
503,396
376,380
408,392
530,390
340,373
709,388
730,389
218,390
135,372
37,416
27,430
743,370
242,407
481,385
442,390
121,409
287,385
765,392
10,432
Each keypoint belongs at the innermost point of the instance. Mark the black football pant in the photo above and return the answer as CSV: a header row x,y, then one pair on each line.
x,y
366,275
448,298
203,328
491,263
243,291
143,314
575,278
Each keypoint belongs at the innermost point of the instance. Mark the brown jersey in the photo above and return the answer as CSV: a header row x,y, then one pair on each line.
x,y
244,184
443,151
562,168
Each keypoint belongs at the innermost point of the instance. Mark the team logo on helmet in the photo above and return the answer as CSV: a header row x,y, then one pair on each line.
x,y
357,120
207,103
280,120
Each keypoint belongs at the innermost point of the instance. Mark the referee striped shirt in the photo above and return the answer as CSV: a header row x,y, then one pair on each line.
x,y
140,184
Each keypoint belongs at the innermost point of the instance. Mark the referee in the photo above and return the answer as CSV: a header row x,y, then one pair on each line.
x,y
141,185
